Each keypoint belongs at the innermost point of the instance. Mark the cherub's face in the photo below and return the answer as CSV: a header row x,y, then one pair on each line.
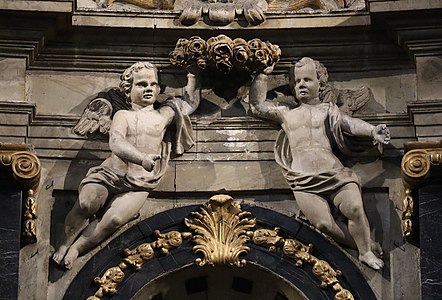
x,y
306,83
145,87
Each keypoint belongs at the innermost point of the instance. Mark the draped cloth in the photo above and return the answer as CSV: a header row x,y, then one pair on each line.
x,y
324,182
174,143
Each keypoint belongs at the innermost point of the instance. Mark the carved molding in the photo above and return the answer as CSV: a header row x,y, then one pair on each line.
x,y
24,166
419,162
221,231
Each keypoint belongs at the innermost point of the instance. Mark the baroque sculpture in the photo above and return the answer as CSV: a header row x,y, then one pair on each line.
x,y
217,12
304,150
141,146
222,232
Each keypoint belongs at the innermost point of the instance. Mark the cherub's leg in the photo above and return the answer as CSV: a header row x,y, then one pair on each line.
x,y
123,208
349,201
91,198
317,210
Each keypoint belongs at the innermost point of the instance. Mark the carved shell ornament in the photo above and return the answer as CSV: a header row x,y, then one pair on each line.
x,y
220,231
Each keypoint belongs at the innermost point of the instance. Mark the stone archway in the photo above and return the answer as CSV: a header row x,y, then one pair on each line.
x,y
283,257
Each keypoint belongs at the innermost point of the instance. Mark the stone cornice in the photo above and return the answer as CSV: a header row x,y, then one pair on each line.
x,y
393,119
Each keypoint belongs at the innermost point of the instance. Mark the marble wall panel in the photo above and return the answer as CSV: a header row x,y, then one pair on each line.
x,y
10,232
430,205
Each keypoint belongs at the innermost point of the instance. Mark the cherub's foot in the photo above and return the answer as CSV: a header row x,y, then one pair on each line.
x,y
376,248
70,257
371,260
59,255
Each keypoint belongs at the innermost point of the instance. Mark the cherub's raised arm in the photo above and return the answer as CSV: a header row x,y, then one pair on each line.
x,y
192,93
257,100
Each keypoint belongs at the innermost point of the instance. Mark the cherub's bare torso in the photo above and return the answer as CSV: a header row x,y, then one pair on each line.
x,y
309,144
144,129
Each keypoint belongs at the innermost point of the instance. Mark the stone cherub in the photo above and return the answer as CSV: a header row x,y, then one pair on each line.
x,y
140,154
303,149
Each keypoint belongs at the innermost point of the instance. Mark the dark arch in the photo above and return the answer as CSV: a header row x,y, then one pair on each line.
x,y
82,286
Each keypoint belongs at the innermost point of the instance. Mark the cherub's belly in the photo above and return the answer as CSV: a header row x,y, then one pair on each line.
x,y
314,160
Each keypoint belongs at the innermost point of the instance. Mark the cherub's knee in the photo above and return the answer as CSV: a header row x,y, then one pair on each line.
x,y
324,226
115,221
91,199
355,212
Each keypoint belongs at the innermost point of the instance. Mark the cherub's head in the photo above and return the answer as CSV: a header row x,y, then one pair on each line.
x,y
139,83
308,80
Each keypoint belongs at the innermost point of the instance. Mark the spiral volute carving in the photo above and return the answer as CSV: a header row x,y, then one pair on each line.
x,y
26,168
416,163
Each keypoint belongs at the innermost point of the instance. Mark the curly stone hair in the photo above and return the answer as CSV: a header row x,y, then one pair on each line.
x,y
326,93
127,77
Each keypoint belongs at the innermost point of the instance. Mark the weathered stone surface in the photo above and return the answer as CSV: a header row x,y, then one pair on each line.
x,y
429,77
390,92
229,176
60,93
12,79
394,5
35,5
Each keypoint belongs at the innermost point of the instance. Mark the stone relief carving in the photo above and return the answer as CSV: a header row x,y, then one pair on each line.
x,y
141,148
228,64
221,231
303,149
215,12
224,54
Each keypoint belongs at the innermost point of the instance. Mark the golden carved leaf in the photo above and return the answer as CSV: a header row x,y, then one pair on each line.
x,y
221,232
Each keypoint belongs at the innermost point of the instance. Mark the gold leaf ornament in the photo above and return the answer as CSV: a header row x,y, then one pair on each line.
x,y
221,232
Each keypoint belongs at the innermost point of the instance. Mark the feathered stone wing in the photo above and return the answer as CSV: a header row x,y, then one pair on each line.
x,y
97,116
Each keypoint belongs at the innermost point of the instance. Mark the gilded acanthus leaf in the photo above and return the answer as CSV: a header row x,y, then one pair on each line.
x,y
221,228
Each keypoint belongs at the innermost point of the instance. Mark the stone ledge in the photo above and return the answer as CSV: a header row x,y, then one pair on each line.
x,y
43,6
401,5
170,21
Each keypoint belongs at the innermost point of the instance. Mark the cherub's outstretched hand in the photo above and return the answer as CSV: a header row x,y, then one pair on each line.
x,y
149,162
381,134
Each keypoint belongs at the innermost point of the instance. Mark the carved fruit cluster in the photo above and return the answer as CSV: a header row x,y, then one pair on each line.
x,y
225,54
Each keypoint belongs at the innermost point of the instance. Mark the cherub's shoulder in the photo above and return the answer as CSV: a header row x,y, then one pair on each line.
x,y
122,112
122,115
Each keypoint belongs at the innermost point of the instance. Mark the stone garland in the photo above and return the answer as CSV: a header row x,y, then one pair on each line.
x,y
224,54
221,230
